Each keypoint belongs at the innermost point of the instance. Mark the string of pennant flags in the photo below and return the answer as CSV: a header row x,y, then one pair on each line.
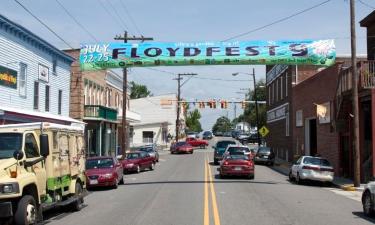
x,y
212,104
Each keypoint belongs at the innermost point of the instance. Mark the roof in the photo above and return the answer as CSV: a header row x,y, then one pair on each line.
x,y
25,34
368,20
43,125
152,112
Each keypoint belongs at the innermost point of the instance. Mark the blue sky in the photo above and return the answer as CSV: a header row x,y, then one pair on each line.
x,y
193,20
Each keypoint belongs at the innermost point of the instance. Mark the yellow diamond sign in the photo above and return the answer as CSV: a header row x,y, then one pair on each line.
x,y
263,131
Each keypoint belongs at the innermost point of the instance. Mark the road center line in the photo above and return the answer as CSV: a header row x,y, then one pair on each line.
x,y
213,196
206,209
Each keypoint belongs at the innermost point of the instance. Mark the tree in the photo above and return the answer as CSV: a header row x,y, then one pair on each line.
x,y
222,124
192,121
138,91
249,114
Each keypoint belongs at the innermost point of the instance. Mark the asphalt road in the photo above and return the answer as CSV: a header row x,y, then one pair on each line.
x,y
184,190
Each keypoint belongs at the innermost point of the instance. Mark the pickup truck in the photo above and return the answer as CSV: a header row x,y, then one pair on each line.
x,y
197,142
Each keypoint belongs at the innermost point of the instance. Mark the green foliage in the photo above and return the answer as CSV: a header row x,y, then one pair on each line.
x,y
192,121
249,114
138,91
222,124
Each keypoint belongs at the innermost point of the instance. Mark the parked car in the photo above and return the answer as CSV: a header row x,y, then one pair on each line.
x,y
207,135
103,171
220,148
218,133
233,149
265,155
237,164
197,142
192,135
311,168
181,147
227,134
138,161
368,199
151,150
243,136
235,133
251,138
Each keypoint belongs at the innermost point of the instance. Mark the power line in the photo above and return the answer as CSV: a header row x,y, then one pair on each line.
x,y
130,17
76,21
109,13
45,25
278,21
218,79
117,14
366,4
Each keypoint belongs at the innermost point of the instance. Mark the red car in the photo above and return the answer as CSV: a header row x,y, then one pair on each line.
x,y
103,171
197,142
237,164
137,162
181,147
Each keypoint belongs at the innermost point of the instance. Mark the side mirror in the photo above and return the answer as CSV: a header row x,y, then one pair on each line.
x,y
44,145
18,155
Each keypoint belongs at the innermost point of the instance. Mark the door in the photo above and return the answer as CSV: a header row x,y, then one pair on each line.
x,y
31,150
313,137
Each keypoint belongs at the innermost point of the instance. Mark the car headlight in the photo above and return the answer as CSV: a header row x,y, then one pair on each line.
x,y
130,165
9,188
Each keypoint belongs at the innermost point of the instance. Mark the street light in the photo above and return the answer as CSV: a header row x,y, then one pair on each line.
x,y
256,100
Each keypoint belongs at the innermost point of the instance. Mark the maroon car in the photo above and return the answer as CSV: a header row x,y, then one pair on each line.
x,y
181,147
237,164
137,162
197,142
103,171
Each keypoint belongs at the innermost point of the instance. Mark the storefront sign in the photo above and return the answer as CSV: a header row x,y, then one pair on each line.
x,y
116,55
43,72
8,77
323,112
277,113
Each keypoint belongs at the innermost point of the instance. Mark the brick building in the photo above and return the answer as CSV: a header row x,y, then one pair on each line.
x,y
96,98
280,80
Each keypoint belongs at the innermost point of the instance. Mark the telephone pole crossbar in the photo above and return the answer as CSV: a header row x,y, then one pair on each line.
x,y
124,130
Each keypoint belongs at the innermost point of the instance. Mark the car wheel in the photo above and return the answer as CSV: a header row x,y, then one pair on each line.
x,y
77,205
26,211
216,162
367,204
298,179
221,176
138,169
152,166
251,177
290,176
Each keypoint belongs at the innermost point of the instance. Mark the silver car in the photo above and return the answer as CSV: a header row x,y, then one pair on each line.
x,y
368,199
311,168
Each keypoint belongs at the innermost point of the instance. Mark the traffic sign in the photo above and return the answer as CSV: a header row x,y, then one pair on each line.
x,y
263,131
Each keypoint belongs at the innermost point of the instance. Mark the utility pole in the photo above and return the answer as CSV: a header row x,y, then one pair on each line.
x,y
124,141
256,107
179,85
357,169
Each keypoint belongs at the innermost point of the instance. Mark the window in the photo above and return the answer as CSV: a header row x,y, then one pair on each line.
x,y
287,124
86,94
31,148
23,74
47,98
54,66
281,88
286,85
269,95
277,90
36,95
59,102
299,116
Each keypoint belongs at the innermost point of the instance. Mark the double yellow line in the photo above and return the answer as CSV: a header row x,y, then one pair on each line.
x,y
208,181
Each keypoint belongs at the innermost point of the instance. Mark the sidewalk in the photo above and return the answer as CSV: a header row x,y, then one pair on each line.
x,y
342,183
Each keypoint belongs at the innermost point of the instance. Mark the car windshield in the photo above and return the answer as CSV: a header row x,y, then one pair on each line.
x,y
9,143
132,155
180,143
147,149
316,161
264,150
237,157
99,163
238,149
224,144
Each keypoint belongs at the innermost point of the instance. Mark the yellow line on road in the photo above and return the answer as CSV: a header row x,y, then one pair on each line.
x,y
206,209
213,196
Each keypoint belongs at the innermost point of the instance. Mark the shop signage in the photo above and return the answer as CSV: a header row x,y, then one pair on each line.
x,y
43,73
8,77
323,112
291,52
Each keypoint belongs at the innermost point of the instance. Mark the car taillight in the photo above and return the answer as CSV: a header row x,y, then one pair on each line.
x,y
226,163
250,163
310,168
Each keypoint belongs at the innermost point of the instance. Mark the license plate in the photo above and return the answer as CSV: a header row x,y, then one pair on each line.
x,y
265,156
237,168
93,181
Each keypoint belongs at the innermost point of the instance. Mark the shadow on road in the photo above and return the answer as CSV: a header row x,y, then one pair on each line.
x,y
202,182
361,215
57,214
